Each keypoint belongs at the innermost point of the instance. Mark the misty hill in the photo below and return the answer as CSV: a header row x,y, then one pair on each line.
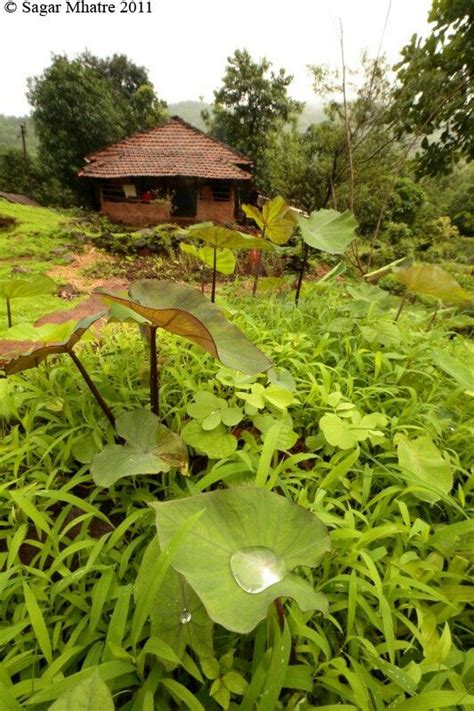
x,y
10,136
190,111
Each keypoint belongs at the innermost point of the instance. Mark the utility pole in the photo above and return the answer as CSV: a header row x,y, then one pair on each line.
x,y
26,166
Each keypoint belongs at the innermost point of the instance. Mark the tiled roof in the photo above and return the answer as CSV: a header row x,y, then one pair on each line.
x,y
173,149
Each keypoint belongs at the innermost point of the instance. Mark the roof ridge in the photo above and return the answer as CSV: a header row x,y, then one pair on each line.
x,y
177,119
211,138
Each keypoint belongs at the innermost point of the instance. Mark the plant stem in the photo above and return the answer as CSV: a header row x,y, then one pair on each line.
x,y
257,274
214,274
259,266
9,314
433,317
280,612
402,304
346,122
301,274
100,400
154,379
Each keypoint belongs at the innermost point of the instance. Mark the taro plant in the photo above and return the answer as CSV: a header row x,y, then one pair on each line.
x,y
429,473
150,448
182,310
38,285
430,280
178,616
276,221
239,553
221,243
38,343
329,231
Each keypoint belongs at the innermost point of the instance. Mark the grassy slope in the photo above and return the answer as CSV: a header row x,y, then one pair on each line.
x,y
30,244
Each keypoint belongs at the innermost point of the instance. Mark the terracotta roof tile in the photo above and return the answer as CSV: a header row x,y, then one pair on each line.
x,y
173,149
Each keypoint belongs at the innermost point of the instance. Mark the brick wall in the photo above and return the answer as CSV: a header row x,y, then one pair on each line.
x,y
139,213
217,211
136,213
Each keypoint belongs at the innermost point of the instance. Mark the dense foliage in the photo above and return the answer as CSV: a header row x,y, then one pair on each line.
x,y
250,103
434,94
357,424
82,104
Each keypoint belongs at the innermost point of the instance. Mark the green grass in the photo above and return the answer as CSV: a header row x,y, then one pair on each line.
x,y
36,242
397,577
36,231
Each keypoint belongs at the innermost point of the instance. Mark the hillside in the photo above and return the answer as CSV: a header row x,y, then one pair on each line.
x,y
190,111
10,136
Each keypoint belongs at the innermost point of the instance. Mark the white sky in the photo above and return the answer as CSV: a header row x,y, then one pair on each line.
x,y
184,44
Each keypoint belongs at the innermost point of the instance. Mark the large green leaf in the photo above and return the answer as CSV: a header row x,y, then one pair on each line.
x,y
90,694
225,259
18,355
239,555
178,616
46,333
276,219
151,448
23,288
220,237
182,310
422,458
328,230
431,280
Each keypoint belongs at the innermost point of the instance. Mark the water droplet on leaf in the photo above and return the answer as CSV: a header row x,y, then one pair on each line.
x,y
256,568
185,616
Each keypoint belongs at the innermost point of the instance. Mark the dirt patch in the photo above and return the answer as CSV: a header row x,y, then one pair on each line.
x,y
6,223
72,273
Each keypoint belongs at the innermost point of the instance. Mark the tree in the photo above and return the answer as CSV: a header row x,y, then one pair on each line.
x,y
251,102
132,91
312,170
83,104
434,95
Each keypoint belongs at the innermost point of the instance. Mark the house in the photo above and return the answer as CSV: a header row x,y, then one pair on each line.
x,y
173,172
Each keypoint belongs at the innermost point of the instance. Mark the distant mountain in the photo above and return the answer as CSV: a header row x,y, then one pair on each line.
x,y
190,111
10,135
312,113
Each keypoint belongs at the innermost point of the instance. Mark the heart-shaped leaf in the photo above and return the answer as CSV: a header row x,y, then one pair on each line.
x,y
184,311
90,693
37,285
225,259
422,458
431,280
178,616
276,219
16,356
220,237
328,230
239,555
151,448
